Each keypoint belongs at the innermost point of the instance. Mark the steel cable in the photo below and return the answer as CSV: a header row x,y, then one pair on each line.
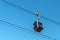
x,y
18,27
21,8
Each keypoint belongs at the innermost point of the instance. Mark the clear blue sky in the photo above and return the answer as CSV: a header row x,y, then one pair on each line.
x,y
12,14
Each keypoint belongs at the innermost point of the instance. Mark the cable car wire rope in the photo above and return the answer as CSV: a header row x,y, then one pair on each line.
x,y
18,27
29,12
32,12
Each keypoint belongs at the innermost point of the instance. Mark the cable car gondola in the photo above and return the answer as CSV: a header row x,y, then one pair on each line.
x,y
38,26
